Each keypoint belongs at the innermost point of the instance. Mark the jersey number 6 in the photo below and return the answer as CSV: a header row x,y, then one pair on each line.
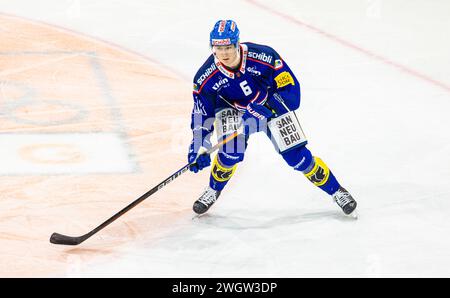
x,y
245,88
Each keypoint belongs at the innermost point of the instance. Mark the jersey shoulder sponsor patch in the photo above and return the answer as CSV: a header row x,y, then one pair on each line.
x,y
278,64
207,71
260,56
195,87
261,53
265,55
204,73
284,79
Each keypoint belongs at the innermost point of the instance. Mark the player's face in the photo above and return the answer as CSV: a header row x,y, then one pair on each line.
x,y
227,55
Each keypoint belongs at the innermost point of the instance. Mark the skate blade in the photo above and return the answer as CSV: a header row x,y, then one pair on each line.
x,y
353,215
197,216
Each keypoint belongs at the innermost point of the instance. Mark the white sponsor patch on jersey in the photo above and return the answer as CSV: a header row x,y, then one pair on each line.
x,y
260,56
286,132
206,74
220,84
228,121
253,71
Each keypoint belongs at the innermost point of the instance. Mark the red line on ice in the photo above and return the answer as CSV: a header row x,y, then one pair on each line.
x,y
353,46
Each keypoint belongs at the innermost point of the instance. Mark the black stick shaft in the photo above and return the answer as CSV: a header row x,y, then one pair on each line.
x,y
139,200
67,240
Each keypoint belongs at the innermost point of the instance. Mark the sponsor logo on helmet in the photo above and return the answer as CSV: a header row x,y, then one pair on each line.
x,y
220,84
206,74
233,26
260,56
221,42
222,26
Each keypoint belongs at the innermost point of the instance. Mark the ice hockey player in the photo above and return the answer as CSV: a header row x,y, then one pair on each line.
x,y
251,85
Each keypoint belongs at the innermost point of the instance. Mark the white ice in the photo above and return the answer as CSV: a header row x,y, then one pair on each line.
x,y
375,79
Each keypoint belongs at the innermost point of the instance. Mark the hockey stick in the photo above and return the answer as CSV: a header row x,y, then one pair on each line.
x,y
57,238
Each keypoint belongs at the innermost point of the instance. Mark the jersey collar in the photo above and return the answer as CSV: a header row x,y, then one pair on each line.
x,y
226,71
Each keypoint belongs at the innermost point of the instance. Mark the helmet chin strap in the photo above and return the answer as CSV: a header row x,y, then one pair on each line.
x,y
238,52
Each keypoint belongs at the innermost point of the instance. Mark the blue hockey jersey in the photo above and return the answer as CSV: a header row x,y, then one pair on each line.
x,y
261,74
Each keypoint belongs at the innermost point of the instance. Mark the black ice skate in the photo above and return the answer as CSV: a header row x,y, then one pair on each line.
x,y
344,199
206,200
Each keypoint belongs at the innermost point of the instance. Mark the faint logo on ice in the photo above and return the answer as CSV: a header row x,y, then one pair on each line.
x,y
74,9
373,9
373,268
74,264
178,136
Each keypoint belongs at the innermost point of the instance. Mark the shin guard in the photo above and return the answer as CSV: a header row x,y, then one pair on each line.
x,y
317,172
220,174
321,176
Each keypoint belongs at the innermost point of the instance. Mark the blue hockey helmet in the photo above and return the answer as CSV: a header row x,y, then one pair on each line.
x,y
225,32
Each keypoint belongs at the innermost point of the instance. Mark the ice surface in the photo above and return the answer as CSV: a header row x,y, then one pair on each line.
x,y
375,79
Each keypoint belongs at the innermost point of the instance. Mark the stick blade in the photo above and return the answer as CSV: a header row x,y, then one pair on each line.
x,y
65,240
